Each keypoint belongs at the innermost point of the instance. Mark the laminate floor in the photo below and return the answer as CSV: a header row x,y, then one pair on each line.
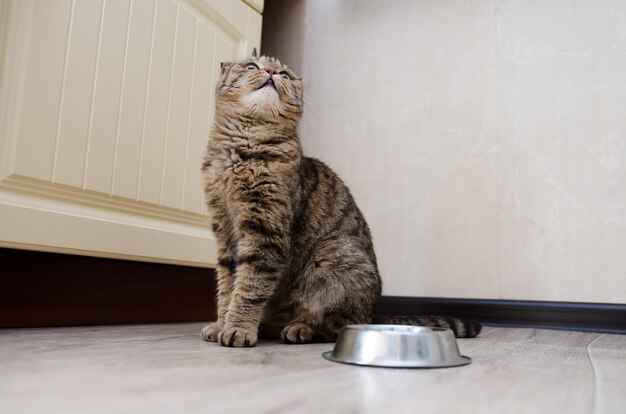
x,y
168,369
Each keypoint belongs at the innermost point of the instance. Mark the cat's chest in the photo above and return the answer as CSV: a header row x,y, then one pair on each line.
x,y
228,162
235,170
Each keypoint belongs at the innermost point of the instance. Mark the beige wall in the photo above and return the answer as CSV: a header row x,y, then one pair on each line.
x,y
485,141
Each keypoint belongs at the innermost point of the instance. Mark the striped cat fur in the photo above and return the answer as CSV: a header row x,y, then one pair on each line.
x,y
295,255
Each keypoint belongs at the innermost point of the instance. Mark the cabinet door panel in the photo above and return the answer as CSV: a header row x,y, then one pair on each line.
x,y
106,108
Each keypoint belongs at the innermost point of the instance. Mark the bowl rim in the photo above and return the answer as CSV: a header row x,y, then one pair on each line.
x,y
401,364
397,329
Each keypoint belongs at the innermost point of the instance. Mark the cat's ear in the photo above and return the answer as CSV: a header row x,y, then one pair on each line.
x,y
224,66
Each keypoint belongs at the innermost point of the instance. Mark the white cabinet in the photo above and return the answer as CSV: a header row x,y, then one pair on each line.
x,y
105,108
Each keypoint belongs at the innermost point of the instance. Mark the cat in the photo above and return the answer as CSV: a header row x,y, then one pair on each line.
x,y
295,255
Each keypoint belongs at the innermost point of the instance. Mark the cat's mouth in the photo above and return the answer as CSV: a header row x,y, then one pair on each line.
x,y
269,82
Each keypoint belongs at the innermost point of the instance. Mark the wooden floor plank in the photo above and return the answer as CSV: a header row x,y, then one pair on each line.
x,y
608,358
167,368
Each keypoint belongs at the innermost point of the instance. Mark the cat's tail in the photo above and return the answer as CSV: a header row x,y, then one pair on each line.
x,y
462,328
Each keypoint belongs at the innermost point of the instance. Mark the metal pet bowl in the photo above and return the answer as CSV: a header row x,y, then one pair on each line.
x,y
397,346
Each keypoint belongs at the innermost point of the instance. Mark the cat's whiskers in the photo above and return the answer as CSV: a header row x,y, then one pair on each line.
x,y
228,88
305,112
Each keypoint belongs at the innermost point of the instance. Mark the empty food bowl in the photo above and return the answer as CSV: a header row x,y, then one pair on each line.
x,y
397,346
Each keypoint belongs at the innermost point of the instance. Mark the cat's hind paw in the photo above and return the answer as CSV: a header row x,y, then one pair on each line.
x,y
237,337
298,333
211,331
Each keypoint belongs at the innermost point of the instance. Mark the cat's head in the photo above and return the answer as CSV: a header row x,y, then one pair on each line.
x,y
260,88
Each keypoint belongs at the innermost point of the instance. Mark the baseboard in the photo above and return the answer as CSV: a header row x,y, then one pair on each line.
x,y
592,317
51,289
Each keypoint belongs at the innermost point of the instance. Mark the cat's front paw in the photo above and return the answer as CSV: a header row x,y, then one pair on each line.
x,y
209,333
237,337
297,333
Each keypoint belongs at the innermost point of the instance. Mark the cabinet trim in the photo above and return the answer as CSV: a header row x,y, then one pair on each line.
x,y
32,214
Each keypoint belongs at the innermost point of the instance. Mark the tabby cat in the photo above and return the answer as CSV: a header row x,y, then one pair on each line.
x,y
295,255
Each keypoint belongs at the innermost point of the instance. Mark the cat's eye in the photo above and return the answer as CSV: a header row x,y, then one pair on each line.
x,y
284,75
252,66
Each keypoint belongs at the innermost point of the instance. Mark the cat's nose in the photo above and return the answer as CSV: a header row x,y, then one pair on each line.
x,y
270,71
